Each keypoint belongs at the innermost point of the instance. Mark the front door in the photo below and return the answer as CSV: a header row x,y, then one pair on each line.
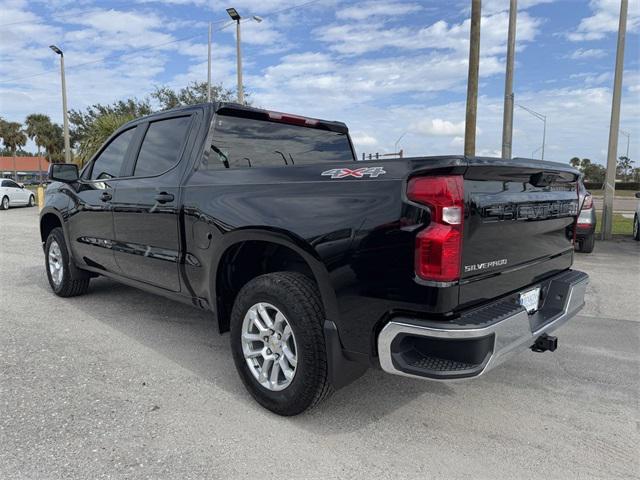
x,y
91,219
146,206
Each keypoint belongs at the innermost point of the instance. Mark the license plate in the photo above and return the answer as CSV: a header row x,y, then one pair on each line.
x,y
530,299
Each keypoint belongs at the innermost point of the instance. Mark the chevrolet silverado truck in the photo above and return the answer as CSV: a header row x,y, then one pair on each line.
x,y
320,265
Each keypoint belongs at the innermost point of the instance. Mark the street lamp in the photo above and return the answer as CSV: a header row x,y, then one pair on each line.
x,y
65,120
542,118
628,135
235,16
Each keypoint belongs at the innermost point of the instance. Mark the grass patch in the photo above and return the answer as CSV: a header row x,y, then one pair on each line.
x,y
621,225
619,193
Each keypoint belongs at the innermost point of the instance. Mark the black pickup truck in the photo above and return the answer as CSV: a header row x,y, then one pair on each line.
x,y
320,265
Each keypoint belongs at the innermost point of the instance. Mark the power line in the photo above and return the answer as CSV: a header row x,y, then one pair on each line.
x,y
151,47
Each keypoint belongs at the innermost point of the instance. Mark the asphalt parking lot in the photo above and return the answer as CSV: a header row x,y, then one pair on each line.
x,y
123,384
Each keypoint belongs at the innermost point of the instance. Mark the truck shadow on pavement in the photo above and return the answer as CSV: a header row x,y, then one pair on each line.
x,y
189,337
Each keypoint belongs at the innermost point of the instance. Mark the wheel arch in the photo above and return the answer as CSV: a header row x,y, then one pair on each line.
x,y
275,250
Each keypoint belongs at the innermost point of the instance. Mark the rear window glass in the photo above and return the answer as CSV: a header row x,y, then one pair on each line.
x,y
162,146
245,143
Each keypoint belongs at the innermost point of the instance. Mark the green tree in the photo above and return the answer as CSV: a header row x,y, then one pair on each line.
x,y
625,167
575,162
98,133
13,137
53,142
192,94
82,121
37,125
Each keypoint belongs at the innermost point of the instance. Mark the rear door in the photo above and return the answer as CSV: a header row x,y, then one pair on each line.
x,y
146,204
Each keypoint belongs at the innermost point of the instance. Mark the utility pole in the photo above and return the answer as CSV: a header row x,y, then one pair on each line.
x,y
612,153
472,81
65,115
507,118
209,67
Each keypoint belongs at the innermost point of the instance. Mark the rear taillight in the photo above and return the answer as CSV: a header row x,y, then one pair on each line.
x,y
588,202
439,246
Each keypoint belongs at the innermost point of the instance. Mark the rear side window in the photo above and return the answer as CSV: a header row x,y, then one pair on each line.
x,y
109,162
162,146
246,143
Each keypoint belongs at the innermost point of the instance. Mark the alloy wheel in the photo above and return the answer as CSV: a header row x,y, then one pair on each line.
x,y
56,268
269,346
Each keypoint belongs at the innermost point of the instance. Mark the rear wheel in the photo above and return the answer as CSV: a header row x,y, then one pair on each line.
x,y
278,343
587,245
4,205
57,264
636,227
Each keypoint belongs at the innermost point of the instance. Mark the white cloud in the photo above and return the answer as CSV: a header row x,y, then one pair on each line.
x,y
378,9
587,54
358,38
438,127
604,20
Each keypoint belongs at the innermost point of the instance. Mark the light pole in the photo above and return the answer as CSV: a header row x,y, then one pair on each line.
x,y
65,119
235,16
628,135
542,118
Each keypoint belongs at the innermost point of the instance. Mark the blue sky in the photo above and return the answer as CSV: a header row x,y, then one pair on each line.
x,y
386,68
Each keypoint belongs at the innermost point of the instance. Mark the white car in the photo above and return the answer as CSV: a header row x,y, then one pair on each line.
x,y
636,220
13,194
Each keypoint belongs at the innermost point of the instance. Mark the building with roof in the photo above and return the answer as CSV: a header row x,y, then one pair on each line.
x,y
26,169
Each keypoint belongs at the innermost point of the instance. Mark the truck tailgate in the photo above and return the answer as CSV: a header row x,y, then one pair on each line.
x,y
515,226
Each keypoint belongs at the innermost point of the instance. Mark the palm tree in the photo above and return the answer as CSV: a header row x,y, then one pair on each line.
x,y
36,128
13,137
53,142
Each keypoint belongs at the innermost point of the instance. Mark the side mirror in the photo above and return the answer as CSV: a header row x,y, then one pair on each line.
x,y
63,172
637,194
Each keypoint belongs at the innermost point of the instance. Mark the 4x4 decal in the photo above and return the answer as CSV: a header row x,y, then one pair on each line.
x,y
372,172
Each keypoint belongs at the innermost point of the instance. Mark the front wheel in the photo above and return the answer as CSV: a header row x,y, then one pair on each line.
x,y
278,343
636,227
32,200
57,264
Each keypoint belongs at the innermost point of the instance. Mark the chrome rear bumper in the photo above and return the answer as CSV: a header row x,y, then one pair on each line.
x,y
481,339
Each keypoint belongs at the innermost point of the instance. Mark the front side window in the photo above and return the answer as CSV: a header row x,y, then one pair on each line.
x,y
162,146
109,162
10,184
245,143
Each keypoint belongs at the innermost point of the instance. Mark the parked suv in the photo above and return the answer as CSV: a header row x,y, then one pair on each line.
x,y
319,265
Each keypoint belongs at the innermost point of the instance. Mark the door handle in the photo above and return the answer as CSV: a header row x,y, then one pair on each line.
x,y
164,197
106,196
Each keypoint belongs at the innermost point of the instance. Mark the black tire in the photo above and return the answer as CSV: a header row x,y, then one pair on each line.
x,y
32,201
588,243
636,227
66,287
297,297
4,204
